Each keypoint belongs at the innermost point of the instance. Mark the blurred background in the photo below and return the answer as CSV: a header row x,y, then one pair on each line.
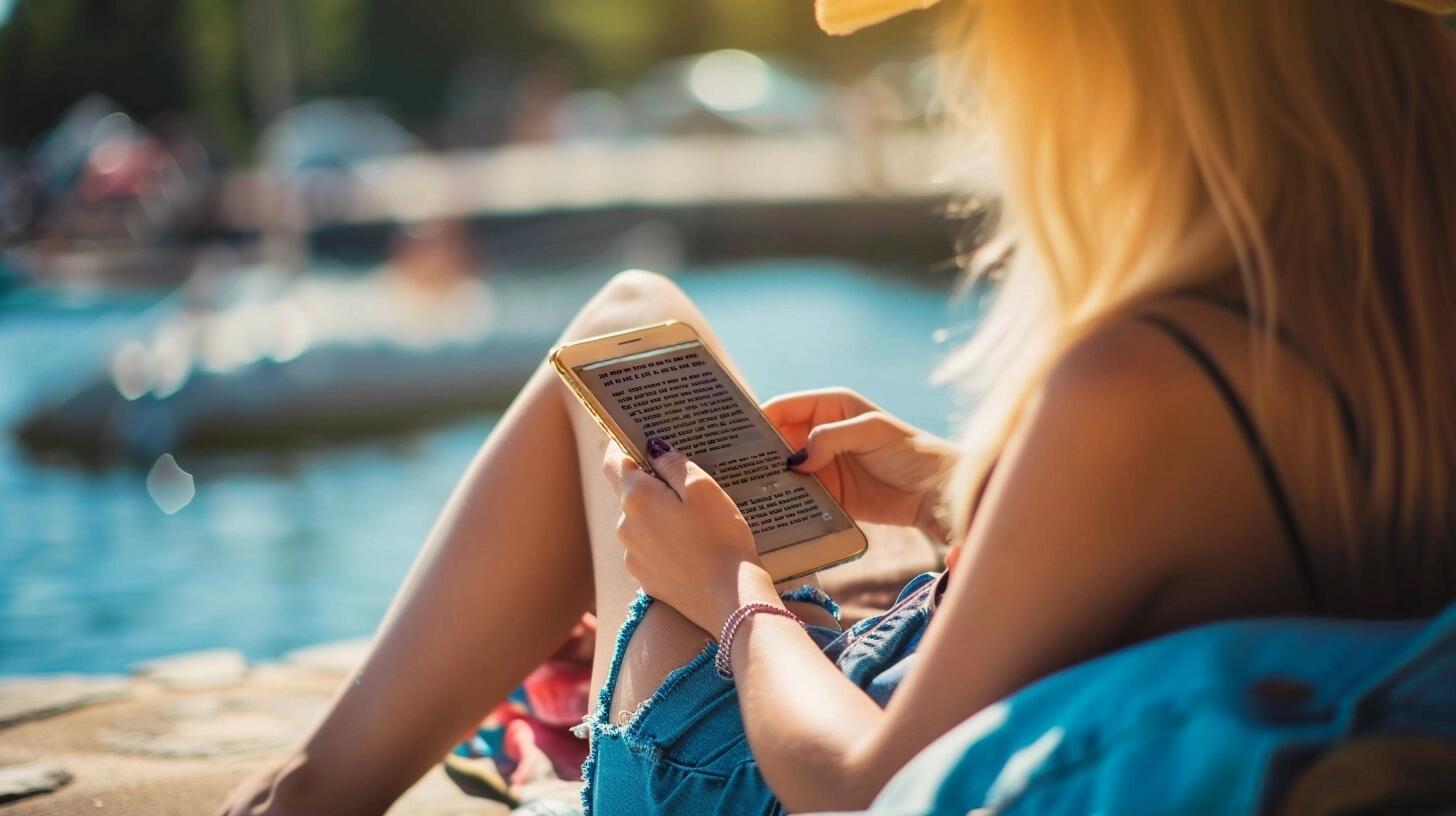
x,y
269,272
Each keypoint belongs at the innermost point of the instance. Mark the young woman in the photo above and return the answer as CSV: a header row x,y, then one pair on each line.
x,y
1215,383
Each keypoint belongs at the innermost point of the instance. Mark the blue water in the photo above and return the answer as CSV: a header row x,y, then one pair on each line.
x,y
284,549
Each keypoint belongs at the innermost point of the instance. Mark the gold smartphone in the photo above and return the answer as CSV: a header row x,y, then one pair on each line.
x,y
662,381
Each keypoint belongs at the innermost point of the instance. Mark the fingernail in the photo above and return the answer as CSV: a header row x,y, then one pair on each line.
x,y
657,446
797,457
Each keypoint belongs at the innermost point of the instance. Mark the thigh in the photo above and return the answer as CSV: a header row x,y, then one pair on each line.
x,y
665,639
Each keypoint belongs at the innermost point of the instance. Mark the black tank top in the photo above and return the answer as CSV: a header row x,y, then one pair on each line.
x,y
1243,417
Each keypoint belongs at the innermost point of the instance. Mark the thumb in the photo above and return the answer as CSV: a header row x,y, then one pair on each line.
x,y
671,466
860,434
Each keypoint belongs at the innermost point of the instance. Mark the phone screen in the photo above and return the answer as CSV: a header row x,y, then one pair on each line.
x,y
681,394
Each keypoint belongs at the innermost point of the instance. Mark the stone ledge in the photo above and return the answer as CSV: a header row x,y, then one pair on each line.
x,y
200,670
337,657
32,698
29,779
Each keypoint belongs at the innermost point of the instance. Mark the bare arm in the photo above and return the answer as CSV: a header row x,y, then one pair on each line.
x,y
1098,505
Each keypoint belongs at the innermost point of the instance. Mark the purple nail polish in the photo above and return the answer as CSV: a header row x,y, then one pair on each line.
x,y
657,446
797,457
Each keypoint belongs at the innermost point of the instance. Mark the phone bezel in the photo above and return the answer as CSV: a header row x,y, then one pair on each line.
x,y
792,561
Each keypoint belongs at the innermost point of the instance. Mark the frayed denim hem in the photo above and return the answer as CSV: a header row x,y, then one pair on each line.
x,y
808,593
597,722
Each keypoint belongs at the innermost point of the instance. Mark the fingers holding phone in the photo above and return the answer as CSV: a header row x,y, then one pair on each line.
x,y
659,388
682,535
881,468
795,415
673,470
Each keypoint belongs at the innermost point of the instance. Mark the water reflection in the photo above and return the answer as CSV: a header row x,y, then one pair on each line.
x,y
286,549
169,485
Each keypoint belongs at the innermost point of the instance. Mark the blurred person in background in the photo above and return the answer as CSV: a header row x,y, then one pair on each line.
x,y
434,287
1226,259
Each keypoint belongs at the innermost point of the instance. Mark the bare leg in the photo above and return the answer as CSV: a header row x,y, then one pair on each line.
x,y
524,546
665,639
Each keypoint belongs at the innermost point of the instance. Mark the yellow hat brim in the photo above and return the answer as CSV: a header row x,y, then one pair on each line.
x,y
841,17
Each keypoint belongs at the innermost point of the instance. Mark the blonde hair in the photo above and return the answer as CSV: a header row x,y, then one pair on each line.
x,y
1307,146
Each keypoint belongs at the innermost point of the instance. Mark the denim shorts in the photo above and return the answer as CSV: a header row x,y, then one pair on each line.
x,y
684,749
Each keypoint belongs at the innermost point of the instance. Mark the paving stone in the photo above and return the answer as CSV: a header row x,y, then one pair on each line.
x,y
436,795
214,726
206,669
29,779
32,698
338,657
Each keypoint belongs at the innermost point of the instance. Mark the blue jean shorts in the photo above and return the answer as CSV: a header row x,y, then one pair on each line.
x,y
685,750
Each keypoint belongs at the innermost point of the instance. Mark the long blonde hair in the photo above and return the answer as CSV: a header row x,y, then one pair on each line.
x,y
1307,146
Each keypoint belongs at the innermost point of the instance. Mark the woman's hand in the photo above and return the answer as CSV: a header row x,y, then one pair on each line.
x,y
270,792
880,468
685,541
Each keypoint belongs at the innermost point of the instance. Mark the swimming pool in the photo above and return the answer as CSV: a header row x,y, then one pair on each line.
x,y
284,549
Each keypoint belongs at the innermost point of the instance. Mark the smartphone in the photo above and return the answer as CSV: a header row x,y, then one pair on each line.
x,y
662,381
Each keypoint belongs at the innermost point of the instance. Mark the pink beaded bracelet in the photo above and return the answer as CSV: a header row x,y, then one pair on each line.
x,y
724,661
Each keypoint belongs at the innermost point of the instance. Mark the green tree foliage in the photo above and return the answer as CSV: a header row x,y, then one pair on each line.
x,y
616,39
214,82
54,52
156,56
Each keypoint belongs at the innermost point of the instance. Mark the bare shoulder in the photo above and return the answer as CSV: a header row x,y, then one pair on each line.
x,y
1122,507
1129,454
1122,395
1129,364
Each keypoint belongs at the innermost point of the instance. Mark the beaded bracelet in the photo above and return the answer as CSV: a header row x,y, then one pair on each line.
x,y
724,661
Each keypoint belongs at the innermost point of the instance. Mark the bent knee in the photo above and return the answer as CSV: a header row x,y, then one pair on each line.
x,y
638,285
630,299
662,643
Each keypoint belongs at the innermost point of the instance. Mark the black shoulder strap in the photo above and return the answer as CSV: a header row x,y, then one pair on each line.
x,y
1282,506
1342,399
